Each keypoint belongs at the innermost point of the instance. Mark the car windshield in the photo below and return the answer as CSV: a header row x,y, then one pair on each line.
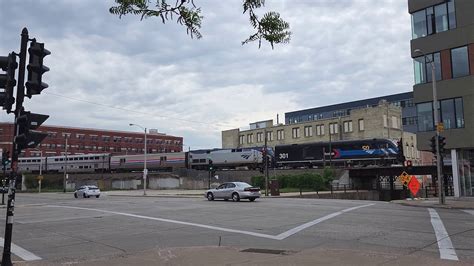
x,y
242,184
93,187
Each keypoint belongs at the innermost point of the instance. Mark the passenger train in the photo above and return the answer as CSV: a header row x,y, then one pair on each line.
x,y
356,152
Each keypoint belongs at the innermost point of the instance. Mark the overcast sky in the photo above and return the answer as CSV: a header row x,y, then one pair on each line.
x,y
108,72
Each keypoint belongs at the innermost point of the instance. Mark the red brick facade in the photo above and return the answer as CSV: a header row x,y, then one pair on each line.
x,y
446,64
82,141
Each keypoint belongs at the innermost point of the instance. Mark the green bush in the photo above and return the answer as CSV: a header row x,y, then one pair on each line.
x,y
48,182
310,181
258,181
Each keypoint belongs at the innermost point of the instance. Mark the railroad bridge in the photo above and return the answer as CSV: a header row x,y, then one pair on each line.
x,y
387,180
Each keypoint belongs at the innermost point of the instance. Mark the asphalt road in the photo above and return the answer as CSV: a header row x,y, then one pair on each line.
x,y
56,228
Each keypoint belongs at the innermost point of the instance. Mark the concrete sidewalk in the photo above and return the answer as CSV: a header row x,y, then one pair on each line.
x,y
451,203
213,255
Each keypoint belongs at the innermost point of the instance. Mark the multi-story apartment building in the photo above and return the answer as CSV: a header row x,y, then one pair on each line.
x,y
381,121
443,35
83,141
403,100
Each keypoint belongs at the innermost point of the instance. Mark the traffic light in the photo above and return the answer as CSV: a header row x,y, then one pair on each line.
x,y
442,143
5,159
400,154
36,69
433,145
27,136
7,81
211,166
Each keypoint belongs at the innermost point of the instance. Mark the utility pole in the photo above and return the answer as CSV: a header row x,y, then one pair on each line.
x,y
65,167
266,163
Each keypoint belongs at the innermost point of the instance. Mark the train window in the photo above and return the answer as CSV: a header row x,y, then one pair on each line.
x,y
202,160
233,150
75,159
195,160
56,160
97,157
239,150
28,161
81,159
80,166
61,159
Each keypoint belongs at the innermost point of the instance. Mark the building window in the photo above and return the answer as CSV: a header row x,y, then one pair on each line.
x,y
459,112
385,121
361,125
270,135
333,128
460,62
433,19
422,68
425,116
347,126
395,122
308,131
259,137
295,132
280,134
250,138
320,130
409,120
452,113
241,139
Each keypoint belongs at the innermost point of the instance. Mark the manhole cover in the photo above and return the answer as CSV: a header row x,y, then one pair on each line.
x,y
266,251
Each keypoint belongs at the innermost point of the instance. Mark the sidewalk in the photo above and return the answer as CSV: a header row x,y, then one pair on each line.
x,y
451,203
212,255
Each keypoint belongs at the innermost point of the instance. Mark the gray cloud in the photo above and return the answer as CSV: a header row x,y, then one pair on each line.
x,y
341,50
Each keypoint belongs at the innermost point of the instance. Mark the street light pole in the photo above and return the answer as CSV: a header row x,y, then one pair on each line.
x,y
436,122
145,171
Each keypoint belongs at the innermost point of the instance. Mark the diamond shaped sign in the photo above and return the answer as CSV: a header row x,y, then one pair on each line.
x,y
414,185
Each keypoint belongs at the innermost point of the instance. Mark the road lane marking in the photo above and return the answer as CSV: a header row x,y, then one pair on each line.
x,y
469,211
277,237
317,221
21,252
445,246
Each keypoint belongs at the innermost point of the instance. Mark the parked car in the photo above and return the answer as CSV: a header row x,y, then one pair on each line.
x,y
87,192
233,190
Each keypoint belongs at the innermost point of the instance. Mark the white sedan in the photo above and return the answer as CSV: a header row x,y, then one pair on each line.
x,y
87,192
234,191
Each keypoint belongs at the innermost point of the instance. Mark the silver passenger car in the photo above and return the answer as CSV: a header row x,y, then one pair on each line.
x,y
233,190
87,192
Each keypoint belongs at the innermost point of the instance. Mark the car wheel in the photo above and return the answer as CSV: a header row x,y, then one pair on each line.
x,y
210,196
97,196
252,199
235,196
75,195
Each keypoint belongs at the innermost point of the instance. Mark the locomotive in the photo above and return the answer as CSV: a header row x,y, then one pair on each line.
x,y
342,153
308,155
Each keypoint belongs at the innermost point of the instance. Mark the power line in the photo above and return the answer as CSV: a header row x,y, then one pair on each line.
x,y
134,111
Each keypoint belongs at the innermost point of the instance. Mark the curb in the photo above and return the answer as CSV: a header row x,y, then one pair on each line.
x,y
434,206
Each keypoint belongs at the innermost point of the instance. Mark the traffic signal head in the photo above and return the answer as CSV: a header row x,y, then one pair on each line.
x,y
5,158
27,137
36,69
433,144
442,143
211,166
400,154
7,81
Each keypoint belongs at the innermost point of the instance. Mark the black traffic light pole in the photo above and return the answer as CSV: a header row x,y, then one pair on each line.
x,y
6,258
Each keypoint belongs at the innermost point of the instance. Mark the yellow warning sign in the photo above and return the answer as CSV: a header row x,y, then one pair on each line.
x,y
404,178
440,127
40,177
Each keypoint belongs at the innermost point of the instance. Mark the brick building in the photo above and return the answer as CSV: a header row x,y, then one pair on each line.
x,y
85,140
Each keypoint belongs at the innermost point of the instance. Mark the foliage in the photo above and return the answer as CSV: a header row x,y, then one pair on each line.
x,y
49,182
306,181
258,181
271,27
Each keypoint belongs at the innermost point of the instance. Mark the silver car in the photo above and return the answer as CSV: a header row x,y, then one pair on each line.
x,y
233,190
87,191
